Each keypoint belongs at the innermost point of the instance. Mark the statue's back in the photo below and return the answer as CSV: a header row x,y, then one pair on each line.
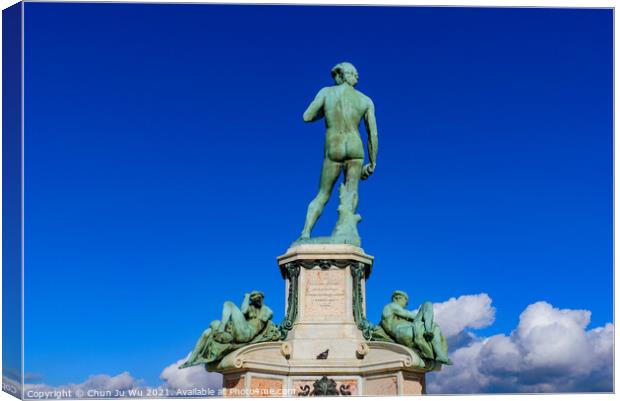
x,y
344,108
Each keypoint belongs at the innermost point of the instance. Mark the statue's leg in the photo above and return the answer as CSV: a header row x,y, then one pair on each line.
x,y
418,333
227,311
329,175
440,346
214,325
241,330
426,314
199,349
352,174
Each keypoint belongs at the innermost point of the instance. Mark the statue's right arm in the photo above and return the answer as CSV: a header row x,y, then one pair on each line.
x,y
373,138
402,312
315,110
371,128
245,304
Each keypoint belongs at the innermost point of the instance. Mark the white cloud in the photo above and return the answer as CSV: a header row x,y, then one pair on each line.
x,y
466,311
190,378
94,386
189,382
549,351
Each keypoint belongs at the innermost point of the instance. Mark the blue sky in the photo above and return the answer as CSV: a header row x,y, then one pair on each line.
x,y
167,165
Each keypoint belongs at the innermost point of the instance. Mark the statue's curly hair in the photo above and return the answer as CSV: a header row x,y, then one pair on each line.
x,y
339,69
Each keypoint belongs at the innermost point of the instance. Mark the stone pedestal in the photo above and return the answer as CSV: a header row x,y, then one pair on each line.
x,y
324,349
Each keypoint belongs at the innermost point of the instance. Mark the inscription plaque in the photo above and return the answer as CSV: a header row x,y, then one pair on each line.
x,y
325,294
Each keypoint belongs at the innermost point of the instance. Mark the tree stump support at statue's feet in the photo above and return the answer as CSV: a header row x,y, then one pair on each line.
x,y
345,231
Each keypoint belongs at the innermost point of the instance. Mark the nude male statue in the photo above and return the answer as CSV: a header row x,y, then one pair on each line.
x,y
414,329
243,324
343,108
237,326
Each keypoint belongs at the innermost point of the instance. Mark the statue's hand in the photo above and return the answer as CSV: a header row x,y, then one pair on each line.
x,y
368,170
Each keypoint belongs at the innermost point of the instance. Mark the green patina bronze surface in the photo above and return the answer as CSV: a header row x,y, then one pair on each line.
x,y
290,272
359,271
415,330
238,327
343,108
324,387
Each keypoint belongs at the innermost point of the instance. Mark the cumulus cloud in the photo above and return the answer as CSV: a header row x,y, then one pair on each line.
x,y
467,311
551,350
190,378
102,385
190,382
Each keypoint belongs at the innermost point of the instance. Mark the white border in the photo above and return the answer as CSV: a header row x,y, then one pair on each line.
x,y
473,3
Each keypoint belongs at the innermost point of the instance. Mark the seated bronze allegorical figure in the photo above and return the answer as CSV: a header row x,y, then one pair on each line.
x,y
238,327
415,330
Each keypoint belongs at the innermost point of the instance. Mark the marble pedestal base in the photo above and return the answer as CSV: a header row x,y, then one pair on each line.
x,y
324,348
266,370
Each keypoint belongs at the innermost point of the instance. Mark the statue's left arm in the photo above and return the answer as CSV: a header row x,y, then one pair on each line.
x,y
315,110
371,128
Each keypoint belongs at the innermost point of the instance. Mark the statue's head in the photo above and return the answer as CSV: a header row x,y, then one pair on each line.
x,y
400,297
345,72
256,298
